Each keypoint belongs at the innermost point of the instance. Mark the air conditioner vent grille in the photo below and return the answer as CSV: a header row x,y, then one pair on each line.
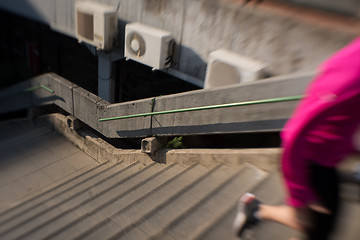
x,y
136,44
85,24
96,24
148,45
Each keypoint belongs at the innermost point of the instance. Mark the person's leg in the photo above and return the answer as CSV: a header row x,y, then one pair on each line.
x,y
283,214
326,183
251,211
317,221
313,221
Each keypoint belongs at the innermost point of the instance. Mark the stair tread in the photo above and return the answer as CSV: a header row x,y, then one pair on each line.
x,y
55,209
269,191
196,221
119,198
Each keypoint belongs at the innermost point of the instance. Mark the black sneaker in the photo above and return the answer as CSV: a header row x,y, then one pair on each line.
x,y
247,206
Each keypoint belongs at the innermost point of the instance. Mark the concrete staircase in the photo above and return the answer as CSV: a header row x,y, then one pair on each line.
x,y
131,199
137,201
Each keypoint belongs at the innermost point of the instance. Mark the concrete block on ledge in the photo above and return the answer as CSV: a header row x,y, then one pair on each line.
x,y
150,145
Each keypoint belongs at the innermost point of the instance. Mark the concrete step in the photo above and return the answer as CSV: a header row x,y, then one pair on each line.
x,y
199,218
136,201
43,213
153,216
32,160
22,151
97,212
37,200
147,200
140,200
23,138
11,128
269,191
187,204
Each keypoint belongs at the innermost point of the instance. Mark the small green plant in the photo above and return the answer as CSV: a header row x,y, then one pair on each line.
x,y
176,143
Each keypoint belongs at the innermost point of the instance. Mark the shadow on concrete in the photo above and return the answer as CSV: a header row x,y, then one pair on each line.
x,y
49,99
23,8
138,81
224,136
265,125
190,62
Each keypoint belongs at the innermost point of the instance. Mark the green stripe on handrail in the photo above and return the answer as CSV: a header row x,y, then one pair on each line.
x,y
270,100
30,89
47,89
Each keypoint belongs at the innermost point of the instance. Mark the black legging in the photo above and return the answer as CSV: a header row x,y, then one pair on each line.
x,y
325,182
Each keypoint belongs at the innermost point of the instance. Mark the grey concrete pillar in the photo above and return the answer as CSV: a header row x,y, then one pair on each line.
x,y
106,77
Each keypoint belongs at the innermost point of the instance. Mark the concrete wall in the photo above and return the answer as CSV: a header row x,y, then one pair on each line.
x,y
266,117
350,7
290,39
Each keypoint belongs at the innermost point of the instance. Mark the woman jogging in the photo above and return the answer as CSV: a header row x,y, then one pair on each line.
x,y
315,140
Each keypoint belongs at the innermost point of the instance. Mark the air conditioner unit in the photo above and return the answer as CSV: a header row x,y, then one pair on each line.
x,y
96,24
226,68
148,45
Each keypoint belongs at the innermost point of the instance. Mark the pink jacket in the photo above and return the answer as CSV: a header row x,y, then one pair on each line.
x,y
322,126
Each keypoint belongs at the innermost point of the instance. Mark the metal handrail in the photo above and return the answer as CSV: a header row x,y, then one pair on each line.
x,y
262,101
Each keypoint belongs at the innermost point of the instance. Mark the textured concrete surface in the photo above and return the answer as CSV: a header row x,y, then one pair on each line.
x,y
52,190
33,159
89,108
269,31
263,158
351,7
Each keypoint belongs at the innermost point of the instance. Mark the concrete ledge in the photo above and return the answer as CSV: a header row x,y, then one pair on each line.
x,y
87,106
264,158
90,108
91,144
261,117
62,96
132,127
101,151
